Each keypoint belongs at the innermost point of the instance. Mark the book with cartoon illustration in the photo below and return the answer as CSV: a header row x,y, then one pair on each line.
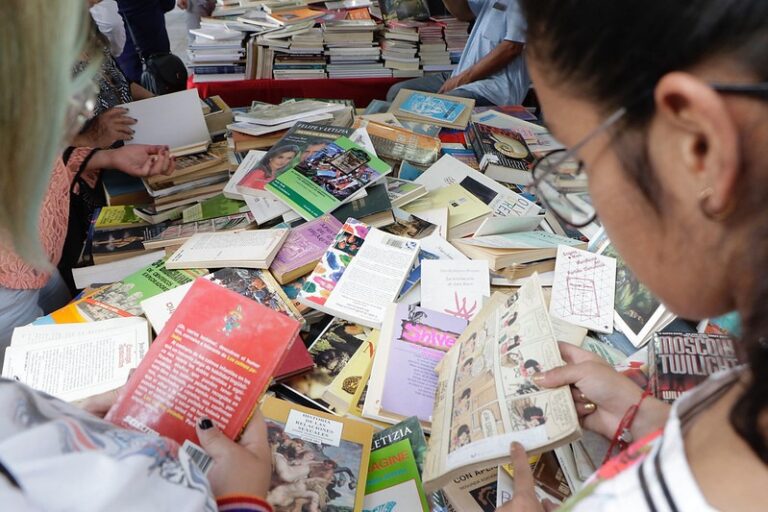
x,y
360,274
214,365
507,343
319,458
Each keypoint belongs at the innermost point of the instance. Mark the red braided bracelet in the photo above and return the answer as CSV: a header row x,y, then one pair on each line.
x,y
623,436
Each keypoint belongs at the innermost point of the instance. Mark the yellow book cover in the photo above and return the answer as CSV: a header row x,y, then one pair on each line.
x,y
463,206
341,392
320,460
117,217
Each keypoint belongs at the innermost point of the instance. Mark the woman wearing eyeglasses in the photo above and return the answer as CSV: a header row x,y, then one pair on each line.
x,y
663,105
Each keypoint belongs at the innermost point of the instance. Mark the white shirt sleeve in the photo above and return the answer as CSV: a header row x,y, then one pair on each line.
x,y
110,24
516,26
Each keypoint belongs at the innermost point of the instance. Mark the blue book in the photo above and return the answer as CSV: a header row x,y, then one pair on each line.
x,y
432,107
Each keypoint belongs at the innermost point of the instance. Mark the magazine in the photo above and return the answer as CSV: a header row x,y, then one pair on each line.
x,y
495,358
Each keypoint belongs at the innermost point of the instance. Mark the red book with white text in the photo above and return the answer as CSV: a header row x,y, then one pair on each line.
x,y
214,358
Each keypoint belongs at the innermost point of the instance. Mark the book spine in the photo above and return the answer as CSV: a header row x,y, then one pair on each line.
x,y
477,145
217,70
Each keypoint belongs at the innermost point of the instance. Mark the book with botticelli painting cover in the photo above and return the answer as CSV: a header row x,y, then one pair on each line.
x,y
213,365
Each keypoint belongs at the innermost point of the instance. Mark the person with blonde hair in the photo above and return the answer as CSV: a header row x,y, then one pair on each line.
x,y
54,456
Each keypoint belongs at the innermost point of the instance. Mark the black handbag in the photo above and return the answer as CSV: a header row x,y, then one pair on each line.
x,y
162,73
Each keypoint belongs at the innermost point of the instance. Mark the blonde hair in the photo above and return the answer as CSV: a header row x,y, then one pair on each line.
x,y
40,41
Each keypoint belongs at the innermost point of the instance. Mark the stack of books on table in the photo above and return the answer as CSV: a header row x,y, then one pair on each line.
x,y
217,53
399,48
433,51
351,50
304,57
456,34
269,44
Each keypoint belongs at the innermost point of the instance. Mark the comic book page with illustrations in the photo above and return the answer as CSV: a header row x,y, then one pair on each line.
x,y
486,397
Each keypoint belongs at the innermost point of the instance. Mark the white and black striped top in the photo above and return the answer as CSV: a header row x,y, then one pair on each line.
x,y
662,480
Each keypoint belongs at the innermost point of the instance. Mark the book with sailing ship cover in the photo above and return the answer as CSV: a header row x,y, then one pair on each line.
x,y
215,365
496,357
679,361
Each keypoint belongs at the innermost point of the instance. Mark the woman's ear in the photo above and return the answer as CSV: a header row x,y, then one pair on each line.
x,y
705,138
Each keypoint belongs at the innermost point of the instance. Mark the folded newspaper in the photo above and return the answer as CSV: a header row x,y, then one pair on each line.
x,y
486,397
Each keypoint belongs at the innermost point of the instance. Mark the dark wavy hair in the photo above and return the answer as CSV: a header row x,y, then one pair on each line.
x,y
613,54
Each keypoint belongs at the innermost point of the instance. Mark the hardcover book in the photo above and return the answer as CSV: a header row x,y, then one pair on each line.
x,y
215,365
318,457
297,145
327,178
303,248
362,272
679,361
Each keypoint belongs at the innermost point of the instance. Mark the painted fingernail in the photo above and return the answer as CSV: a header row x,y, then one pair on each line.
x,y
538,378
583,397
590,407
205,424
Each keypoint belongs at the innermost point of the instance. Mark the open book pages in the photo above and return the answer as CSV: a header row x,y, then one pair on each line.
x,y
486,397
75,361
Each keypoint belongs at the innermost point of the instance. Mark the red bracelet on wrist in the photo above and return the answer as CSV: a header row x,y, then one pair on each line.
x,y
623,436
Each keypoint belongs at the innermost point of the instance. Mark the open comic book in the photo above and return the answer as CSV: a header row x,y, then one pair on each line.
x,y
486,397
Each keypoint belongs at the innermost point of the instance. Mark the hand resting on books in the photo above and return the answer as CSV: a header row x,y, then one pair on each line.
x,y
602,394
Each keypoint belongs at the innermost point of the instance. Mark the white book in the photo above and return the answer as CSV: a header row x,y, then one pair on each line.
x,y
158,309
371,281
175,120
245,124
247,249
455,287
75,361
299,110
113,271
504,203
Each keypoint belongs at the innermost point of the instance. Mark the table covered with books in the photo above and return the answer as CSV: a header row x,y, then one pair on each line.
x,y
241,93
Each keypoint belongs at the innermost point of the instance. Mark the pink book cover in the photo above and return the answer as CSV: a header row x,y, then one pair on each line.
x,y
306,244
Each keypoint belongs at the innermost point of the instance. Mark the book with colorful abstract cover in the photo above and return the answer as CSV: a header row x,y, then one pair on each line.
x,y
214,365
323,456
123,298
327,178
360,274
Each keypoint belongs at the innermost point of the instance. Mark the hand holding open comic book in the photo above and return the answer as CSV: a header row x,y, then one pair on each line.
x,y
601,394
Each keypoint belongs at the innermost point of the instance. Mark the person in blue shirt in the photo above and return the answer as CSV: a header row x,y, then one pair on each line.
x,y
492,68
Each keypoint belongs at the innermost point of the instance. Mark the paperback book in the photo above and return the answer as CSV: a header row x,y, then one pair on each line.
x,y
300,142
680,361
249,249
496,357
327,178
215,365
503,154
303,248
360,274
318,458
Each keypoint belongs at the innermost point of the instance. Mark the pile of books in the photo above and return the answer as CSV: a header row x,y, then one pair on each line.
x,y
217,53
456,34
351,267
351,49
433,50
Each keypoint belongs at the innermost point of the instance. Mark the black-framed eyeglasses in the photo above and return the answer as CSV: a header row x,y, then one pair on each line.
x,y
560,182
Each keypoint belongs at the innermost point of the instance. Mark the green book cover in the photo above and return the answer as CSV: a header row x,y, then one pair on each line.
x,y
376,201
393,482
212,208
115,217
327,178
123,298
409,429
